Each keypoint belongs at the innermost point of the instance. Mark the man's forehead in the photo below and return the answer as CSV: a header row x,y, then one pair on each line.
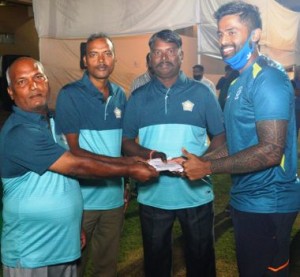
x,y
197,69
27,66
167,44
99,43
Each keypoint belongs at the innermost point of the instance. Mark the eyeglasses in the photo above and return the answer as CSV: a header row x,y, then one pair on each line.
x,y
170,52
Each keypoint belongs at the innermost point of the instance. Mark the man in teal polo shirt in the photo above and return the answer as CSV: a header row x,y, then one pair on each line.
x,y
169,112
42,203
89,112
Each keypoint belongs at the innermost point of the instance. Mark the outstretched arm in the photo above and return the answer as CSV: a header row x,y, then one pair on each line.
x,y
69,164
73,142
131,148
215,145
218,153
267,153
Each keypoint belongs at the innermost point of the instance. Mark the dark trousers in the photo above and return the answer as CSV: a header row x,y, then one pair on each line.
x,y
197,228
262,243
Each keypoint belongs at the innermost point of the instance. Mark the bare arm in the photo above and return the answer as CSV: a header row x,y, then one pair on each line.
x,y
69,164
217,153
267,153
131,148
73,142
216,143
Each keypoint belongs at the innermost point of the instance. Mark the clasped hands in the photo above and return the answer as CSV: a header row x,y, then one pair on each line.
x,y
194,167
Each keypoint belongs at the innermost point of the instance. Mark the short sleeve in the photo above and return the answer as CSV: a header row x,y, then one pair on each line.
x,y
130,123
31,148
272,95
66,113
214,116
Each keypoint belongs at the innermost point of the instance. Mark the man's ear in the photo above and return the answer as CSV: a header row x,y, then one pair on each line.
x,y
84,61
10,93
181,55
256,35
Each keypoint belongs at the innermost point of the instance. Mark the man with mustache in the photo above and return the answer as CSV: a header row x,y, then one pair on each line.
x,y
165,114
42,201
261,150
89,112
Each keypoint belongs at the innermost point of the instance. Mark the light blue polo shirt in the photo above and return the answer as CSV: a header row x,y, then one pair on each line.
x,y
167,119
81,109
42,210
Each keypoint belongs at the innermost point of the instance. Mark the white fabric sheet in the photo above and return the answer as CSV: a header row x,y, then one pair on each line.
x,y
78,19
63,24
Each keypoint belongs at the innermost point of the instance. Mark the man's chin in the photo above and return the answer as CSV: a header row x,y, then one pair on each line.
x,y
225,57
40,108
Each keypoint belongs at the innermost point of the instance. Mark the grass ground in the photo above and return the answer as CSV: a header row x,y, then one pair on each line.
x,y
131,243
131,251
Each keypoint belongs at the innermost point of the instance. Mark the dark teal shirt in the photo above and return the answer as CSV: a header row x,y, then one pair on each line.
x,y
262,92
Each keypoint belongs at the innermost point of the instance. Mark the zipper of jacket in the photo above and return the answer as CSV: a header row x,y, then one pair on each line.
x,y
166,101
106,105
52,128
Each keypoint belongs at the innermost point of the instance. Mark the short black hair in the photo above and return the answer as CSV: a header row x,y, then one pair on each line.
x,y
95,36
199,66
249,14
167,36
227,67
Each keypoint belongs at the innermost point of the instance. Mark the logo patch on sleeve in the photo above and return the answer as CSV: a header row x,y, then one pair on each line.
x,y
188,106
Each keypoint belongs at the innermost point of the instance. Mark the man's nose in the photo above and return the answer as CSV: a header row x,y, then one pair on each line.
x,y
101,58
224,39
32,84
164,55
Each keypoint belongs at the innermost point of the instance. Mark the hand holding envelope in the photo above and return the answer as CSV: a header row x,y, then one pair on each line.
x,y
189,165
169,165
195,167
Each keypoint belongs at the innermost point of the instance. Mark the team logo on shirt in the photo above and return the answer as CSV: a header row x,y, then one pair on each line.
x,y
118,113
239,91
188,106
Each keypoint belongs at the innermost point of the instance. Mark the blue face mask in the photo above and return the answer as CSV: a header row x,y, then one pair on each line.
x,y
239,60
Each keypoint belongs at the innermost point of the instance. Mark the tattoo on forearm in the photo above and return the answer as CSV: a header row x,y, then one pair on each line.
x,y
268,152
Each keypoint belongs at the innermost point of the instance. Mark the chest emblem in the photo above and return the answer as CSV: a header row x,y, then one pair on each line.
x,y
188,106
118,113
238,93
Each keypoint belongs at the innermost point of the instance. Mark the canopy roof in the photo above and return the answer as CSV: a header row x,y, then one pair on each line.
x,y
63,24
73,19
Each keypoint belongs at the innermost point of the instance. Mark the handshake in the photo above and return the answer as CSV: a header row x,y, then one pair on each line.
x,y
188,165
